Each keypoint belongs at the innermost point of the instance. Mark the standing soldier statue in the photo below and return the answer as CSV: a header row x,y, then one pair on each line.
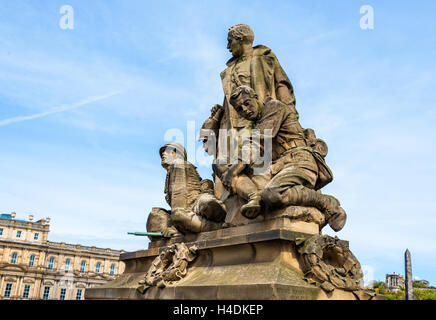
x,y
256,67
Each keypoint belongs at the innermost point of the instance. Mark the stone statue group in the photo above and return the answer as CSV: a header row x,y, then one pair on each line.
x,y
264,160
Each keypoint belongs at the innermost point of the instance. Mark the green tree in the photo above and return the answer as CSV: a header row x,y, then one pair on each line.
x,y
417,295
419,285
379,287
424,294
400,295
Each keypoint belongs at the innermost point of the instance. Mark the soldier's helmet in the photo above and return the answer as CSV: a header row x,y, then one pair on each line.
x,y
174,146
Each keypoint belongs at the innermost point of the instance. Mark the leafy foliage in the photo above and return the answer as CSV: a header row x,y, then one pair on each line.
x,y
425,294
379,287
422,292
419,285
400,295
417,293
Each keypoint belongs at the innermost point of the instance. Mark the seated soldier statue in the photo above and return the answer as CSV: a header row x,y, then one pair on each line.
x,y
194,208
297,171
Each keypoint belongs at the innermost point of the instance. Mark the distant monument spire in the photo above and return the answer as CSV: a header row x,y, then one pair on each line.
x,y
409,282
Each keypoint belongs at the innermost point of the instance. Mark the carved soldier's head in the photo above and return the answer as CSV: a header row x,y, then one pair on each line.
x,y
208,138
239,35
172,153
245,101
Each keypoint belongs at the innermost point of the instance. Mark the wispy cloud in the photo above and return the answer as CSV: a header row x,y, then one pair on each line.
x,y
59,109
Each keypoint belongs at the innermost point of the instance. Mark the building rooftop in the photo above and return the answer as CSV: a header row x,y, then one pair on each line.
x,y
8,216
44,224
11,216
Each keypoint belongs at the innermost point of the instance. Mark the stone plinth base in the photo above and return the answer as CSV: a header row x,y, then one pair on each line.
x,y
255,261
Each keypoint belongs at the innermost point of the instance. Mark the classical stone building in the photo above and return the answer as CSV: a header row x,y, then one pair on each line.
x,y
31,267
394,281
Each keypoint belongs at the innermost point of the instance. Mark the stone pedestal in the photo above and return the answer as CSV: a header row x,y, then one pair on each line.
x,y
254,261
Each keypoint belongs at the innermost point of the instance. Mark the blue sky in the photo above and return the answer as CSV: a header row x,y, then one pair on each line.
x,y
84,111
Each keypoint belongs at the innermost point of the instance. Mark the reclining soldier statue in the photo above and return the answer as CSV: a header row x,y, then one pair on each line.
x,y
194,208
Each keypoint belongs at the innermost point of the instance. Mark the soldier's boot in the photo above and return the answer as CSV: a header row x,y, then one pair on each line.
x,y
252,208
329,205
335,214
247,190
188,221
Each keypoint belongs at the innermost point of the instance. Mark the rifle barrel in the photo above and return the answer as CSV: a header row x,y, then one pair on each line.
x,y
145,234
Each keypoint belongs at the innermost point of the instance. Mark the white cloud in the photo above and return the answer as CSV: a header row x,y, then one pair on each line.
x,y
59,109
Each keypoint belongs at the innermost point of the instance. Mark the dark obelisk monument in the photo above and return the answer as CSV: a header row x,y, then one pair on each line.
x,y
409,281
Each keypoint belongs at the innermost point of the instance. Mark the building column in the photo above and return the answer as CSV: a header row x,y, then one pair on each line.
x,y
35,290
1,285
18,287
56,290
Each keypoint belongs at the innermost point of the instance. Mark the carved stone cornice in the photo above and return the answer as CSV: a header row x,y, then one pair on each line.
x,y
13,266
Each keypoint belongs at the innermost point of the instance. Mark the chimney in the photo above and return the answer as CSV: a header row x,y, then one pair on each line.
x,y
13,215
30,217
47,220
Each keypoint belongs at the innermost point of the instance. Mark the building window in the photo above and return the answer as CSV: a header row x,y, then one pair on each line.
x,y
8,290
79,294
46,294
31,260
83,266
19,234
112,269
51,263
26,291
63,293
36,236
1,231
67,264
97,267
14,258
